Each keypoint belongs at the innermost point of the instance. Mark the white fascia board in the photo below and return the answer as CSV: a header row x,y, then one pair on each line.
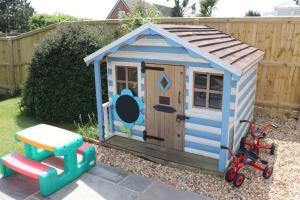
x,y
98,55
196,50
193,50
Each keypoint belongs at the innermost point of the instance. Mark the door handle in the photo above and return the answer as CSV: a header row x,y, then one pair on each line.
x,y
179,94
180,118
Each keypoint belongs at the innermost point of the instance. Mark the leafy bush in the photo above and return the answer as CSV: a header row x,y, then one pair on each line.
x,y
139,16
60,87
42,20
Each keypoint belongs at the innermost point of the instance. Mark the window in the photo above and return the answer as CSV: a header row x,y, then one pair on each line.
x,y
208,90
121,14
127,78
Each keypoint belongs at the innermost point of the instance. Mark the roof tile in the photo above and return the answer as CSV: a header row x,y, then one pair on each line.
x,y
217,43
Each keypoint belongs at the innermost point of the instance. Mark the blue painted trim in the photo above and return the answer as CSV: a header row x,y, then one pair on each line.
x,y
225,119
207,122
133,131
187,78
111,119
244,129
232,112
109,71
230,142
247,92
247,80
232,97
110,82
154,49
202,147
163,89
202,134
138,60
99,99
186,106
153,37
233,83
142,87
142,124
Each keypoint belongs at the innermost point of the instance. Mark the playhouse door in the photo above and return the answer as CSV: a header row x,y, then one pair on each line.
x,y
164,99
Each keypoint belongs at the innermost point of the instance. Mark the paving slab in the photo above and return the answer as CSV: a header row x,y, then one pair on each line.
x,y
92,187
109,173
136,183
159,191
17,187
102,182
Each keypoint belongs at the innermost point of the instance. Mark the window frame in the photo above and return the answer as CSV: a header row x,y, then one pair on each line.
x,y
207,91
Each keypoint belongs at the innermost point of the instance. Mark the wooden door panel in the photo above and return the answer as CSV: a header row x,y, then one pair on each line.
x,y
162,124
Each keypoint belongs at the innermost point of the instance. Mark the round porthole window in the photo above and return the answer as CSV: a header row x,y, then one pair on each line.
x,y
127,109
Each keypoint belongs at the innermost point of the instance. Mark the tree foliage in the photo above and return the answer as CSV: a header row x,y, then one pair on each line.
x,y
139,16
182,7
60,87
42,20
252,13
14,15
207,7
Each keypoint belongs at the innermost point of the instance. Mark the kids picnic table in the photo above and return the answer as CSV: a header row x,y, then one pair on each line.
x,y
42,141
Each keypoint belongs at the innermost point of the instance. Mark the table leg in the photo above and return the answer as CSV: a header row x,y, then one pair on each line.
x,y
35,153
51,182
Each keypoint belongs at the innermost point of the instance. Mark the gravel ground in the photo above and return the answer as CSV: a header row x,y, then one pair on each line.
x,y
284,183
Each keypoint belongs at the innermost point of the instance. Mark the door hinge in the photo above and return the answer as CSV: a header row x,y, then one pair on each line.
x,y
145,137
144,68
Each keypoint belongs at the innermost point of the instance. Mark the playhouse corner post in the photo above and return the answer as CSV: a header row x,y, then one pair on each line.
x,y
225,119
99,99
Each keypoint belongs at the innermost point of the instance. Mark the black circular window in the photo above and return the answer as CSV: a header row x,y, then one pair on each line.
x,y
127,108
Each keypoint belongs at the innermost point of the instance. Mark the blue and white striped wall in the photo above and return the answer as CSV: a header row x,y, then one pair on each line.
x,y
246,89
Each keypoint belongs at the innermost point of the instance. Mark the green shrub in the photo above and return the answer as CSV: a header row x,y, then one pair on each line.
x,y
41,20
60,87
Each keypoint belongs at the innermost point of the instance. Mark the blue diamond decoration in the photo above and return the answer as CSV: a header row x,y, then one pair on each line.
x,y
164,83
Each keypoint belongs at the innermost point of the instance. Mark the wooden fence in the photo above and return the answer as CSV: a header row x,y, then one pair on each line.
x,y
278,85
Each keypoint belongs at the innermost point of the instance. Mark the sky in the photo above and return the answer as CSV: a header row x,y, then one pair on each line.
x,y
99,9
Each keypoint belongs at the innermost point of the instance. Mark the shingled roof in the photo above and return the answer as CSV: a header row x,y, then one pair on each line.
x,y
217,43
220,49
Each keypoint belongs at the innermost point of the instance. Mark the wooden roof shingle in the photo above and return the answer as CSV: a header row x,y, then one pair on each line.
x,y
217,43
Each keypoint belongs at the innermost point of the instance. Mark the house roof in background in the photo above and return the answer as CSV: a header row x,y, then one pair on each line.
x,y
287,5
165,10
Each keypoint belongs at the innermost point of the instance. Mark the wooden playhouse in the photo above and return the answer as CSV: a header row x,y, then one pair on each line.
x,y
193,85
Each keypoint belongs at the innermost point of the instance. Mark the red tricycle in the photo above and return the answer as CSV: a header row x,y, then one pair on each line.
x,y
257,134
243,158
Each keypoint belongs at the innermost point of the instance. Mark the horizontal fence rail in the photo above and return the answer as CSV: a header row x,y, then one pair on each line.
x,y
278,81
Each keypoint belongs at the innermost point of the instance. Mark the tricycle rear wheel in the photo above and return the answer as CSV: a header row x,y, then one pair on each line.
x,y
268,171
229,175
272,150
238,180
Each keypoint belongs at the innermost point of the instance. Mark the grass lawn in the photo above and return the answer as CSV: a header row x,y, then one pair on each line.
x,y
11,121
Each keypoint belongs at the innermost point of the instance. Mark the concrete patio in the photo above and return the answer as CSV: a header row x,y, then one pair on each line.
x,y
102,182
